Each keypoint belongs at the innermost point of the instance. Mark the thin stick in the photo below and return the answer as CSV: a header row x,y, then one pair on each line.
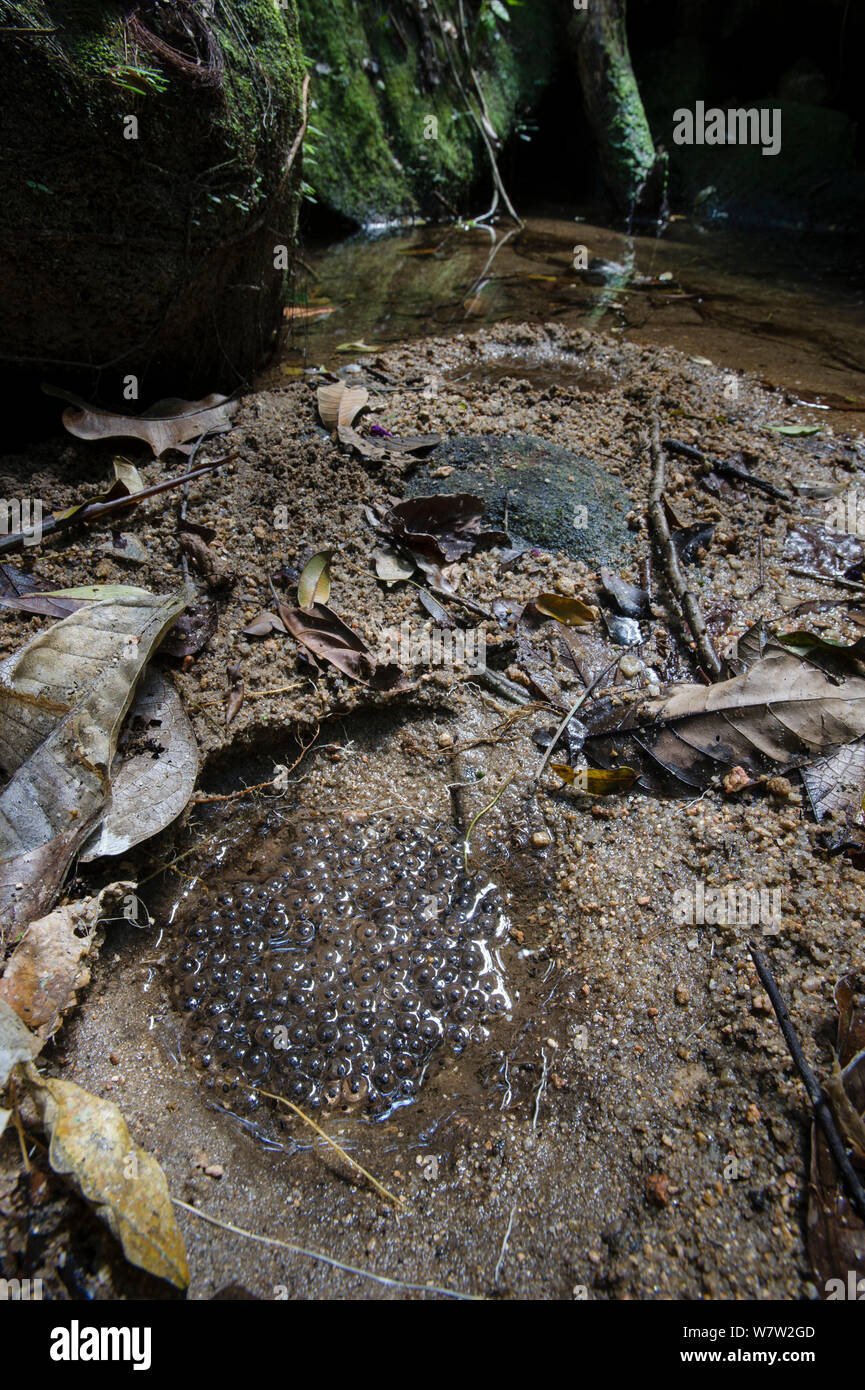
x,y
828,579
507,782
325,1259
659,527
589,690
397,1201
501,1258
816,1095
95,511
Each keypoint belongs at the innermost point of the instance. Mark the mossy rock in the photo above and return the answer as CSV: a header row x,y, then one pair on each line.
x,y
150,256
391,133
554,499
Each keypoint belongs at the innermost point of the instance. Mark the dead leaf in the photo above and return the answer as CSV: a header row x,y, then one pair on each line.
x,y
630,601
26,592
314,583
570,611
339,404
323,636
91,1144
212,567
783,712
264,624
442,528
52,960
154,773
63,699
17,1043
167,425
392,565
597,781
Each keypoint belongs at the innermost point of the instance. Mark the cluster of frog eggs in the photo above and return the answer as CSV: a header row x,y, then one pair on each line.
x,y
335,980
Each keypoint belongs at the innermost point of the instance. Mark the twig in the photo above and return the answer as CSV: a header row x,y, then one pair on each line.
x,y
507,1237
541,1089
828,579
500,685
468,603
816,1095
391,1197
325,1259
589,690
506,783
95,511
660,530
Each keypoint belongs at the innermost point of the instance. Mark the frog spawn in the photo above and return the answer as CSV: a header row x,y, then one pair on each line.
x,y
335,980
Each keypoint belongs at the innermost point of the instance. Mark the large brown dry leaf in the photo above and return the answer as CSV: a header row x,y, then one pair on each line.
x,y
325,637
52,961
166,425
783,712
63,699
836,1233
90,1143
154,772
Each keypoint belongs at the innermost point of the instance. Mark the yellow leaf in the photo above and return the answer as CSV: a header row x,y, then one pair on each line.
x,y
570,611
90,1142
597,781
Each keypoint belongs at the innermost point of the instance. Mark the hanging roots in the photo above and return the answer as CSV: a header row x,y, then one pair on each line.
x,y
180,35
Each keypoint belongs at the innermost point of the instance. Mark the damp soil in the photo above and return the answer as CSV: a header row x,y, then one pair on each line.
x,y
577,1140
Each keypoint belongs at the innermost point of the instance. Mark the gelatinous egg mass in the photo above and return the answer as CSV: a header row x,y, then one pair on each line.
x,y
333,980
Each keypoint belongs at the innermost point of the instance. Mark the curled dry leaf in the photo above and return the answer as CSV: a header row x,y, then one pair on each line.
x,y
154,772
166,425
52,960
63,699
323,636
314,583
91,1144
339,404
17,1043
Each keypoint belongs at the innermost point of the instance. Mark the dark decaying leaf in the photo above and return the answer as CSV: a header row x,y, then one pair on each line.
x,y
192,631
168,424
366,448
784,712
443,527
27,593
324,637
629,600
836,1233
688,541
809,545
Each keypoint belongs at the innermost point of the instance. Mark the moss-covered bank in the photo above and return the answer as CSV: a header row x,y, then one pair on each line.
x,y
143,195
392,132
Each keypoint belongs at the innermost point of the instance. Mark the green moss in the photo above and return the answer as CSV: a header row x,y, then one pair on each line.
x,y
374,98
149,236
